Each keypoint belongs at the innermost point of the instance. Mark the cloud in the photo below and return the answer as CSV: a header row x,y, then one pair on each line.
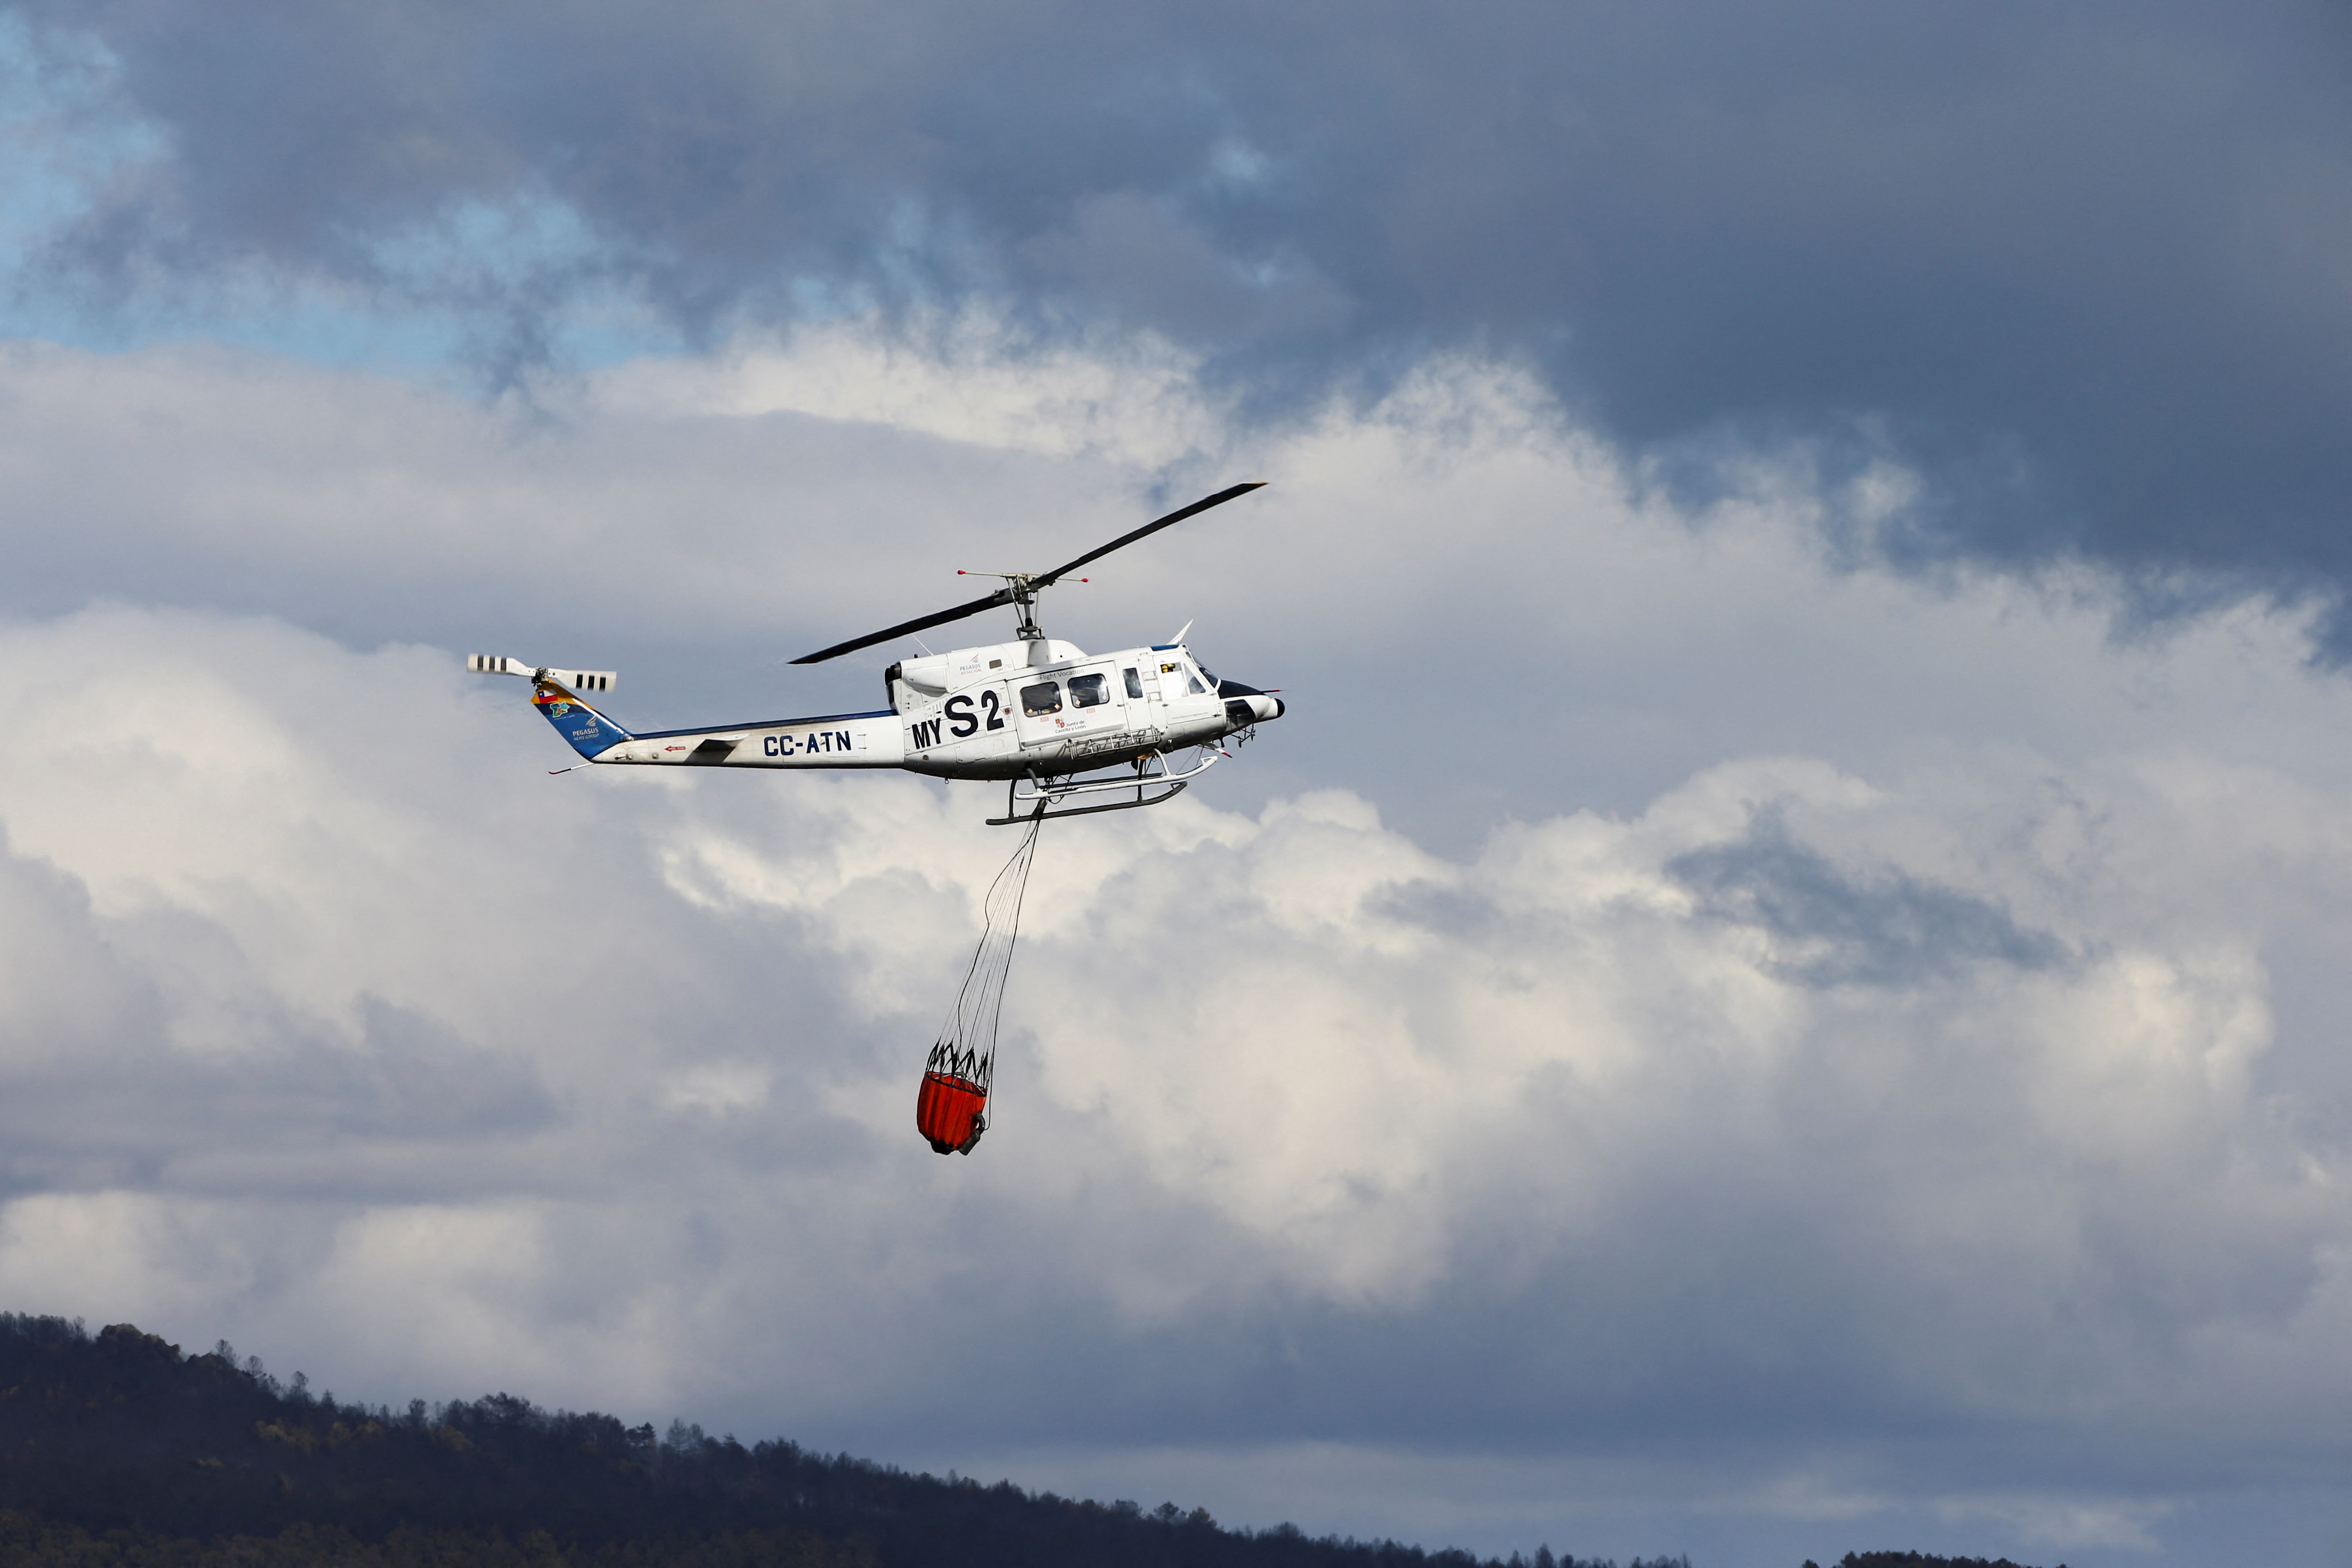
x,y
1829,931
2078,267
1689,1029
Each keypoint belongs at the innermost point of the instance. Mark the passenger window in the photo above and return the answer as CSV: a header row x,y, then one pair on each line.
x,y
1134,684
1041,699
1089,690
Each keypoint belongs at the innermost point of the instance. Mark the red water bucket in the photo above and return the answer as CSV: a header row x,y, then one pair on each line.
x,y
948,1112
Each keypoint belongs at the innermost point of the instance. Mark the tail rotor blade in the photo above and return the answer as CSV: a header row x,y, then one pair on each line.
x,y
577,679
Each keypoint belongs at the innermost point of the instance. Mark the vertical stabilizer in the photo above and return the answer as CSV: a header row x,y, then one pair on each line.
x,y
589,733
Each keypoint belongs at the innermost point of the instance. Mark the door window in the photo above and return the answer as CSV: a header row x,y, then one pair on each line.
x,y
1042,699
1089,690
1134,684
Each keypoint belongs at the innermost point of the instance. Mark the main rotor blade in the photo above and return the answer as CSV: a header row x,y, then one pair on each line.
x,y
1005,596
1002,596
1220,499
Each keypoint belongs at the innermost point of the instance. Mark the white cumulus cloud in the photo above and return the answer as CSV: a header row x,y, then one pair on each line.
x,y
1656,979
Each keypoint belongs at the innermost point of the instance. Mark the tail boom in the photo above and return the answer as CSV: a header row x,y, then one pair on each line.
x,y
829,741
877,740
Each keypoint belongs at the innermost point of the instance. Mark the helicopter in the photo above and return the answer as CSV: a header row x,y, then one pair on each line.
x,y
1054,723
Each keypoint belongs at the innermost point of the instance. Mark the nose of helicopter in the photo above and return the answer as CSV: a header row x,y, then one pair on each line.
x,y
1247,705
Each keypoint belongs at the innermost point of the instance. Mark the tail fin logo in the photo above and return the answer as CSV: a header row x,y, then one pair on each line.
x,y
589,731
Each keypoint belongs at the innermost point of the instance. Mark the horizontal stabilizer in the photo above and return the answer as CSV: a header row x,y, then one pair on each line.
x,y
577,679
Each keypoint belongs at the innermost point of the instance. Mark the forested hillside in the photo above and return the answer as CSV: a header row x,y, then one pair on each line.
x,y
1918,1560
118,1451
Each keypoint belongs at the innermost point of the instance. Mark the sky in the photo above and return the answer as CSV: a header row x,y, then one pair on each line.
x,y
1780,988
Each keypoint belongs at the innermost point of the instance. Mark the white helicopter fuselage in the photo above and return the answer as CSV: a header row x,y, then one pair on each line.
x,y
1006,710
989,713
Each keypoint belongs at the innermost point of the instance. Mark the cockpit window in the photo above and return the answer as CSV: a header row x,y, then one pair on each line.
x,y
1089,690
1192,678
1207,677
1134,684
1042,699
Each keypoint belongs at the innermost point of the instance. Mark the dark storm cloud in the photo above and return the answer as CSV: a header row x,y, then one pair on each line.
x,y
2083,263
1832,929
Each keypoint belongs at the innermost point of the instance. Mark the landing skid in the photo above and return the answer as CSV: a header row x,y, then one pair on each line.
x,y
1049,791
